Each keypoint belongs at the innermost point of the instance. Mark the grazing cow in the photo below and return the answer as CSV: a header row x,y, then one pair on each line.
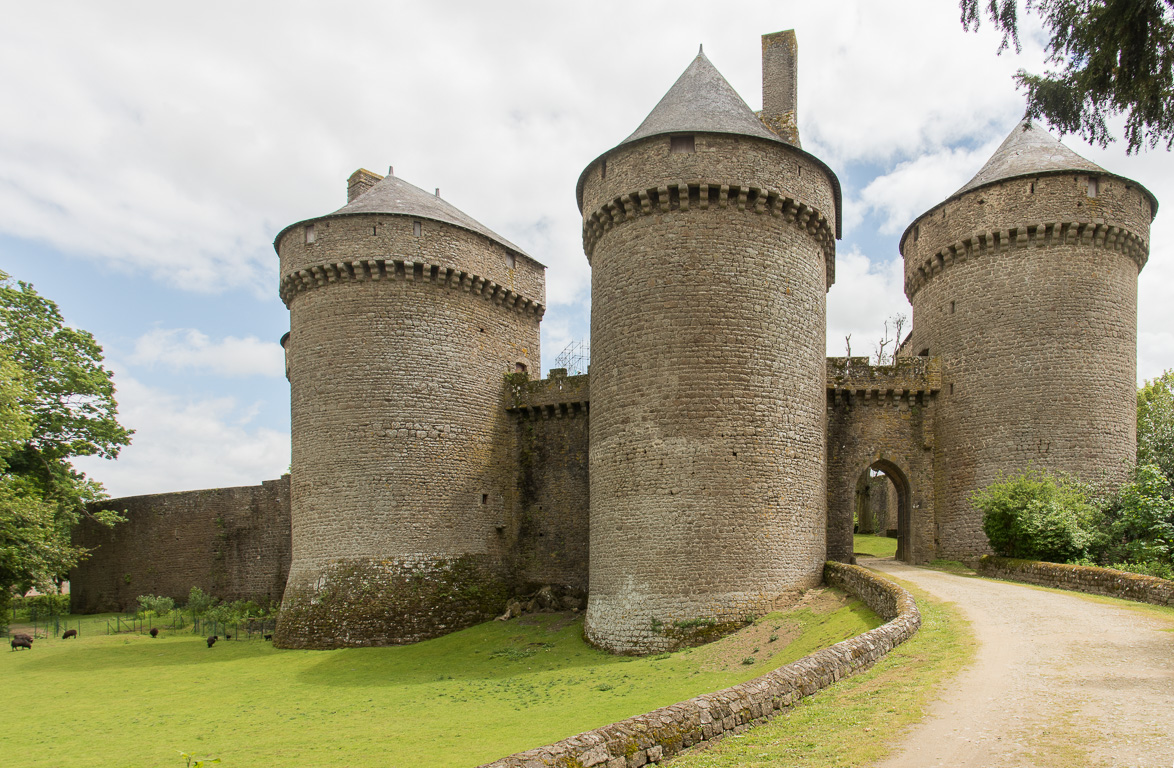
x,y
227,636
154,631
268,637
69,633
212,640
22,641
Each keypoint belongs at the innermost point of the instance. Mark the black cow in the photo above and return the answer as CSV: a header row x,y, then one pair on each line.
x,y
154,631
212,640
22,641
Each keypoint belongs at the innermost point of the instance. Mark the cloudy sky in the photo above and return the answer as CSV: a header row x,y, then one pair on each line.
x,y
150,152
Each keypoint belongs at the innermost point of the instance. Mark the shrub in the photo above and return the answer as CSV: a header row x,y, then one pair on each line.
x,y
42,606
199,601
157,604
1038,516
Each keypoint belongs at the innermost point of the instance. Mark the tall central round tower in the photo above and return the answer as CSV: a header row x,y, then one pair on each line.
x,y
1024,283
712,246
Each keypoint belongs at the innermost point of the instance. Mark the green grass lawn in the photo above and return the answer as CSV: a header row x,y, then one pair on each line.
x,y
874,546
461,700
858,720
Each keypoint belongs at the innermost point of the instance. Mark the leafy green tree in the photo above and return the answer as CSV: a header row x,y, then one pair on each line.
x,y
1155,423
1112,57
56,403
1139,524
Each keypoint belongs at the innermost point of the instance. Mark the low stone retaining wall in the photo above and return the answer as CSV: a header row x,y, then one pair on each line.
x,y
1080,578
654,736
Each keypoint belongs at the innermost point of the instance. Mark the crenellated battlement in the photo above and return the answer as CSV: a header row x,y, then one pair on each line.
x,y
1090,233
411,271
701,195
560,396
852,380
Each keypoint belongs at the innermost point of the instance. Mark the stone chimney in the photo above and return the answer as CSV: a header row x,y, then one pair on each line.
x,y
780,80
359,182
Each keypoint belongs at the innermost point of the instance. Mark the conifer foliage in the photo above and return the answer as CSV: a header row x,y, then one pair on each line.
x,y
1111,57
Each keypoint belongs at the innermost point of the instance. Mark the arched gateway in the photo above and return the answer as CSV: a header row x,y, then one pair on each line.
x,y
880,418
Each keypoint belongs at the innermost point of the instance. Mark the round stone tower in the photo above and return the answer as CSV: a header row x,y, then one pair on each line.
x,y
405,314
1024,283
712,246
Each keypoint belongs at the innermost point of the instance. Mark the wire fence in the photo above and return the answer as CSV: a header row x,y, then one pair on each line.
x,y
48,626
41,625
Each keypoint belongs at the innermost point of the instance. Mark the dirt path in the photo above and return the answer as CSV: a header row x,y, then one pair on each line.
x,y
1059,680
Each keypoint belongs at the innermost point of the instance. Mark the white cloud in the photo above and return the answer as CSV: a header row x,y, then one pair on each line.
x,y
866,294
184,444
915,186
182,349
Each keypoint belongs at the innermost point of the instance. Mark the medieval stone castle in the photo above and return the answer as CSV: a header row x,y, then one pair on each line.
x,y
714,457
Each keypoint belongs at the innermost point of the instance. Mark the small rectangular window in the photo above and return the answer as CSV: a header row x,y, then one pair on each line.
x,y
484,499
603,170
374,230
519,367
510,260
681,144
951,307
916,232
1093,185
416,228
310,236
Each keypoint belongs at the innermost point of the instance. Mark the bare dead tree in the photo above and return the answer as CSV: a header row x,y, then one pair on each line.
x,y
883,356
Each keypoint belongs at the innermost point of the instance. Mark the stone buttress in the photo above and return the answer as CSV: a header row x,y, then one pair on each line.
x,y
405,314
712,245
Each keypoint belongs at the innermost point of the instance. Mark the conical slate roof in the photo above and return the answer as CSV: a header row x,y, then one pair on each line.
x,y
1029,151
393,195
701,101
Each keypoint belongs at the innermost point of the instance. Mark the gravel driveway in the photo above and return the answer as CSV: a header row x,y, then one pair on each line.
x,y
1059,679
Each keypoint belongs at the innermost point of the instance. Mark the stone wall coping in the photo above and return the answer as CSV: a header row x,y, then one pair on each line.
x,y
558,396
657,735
906,375
1080,578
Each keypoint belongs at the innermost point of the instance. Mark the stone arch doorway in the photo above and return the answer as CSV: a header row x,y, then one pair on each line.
x,y
869,510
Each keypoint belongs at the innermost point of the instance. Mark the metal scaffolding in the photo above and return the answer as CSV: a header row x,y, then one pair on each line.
x,y
575,358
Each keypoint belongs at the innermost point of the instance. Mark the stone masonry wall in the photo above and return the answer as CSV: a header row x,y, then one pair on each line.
x,y
402,468
230,542
709,276
552,517
662,733
1027,291
1080,578
882,417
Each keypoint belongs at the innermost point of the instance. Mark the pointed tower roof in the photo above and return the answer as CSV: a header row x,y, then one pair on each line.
x,y
393,195
701,101
1029,150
